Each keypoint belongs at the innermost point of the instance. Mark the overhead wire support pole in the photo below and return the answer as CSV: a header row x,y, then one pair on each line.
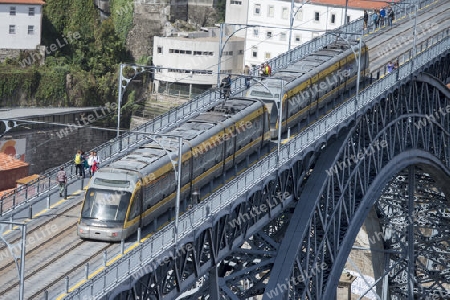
x,y
280,121
123,83
20,269
292,20
222,44
176,170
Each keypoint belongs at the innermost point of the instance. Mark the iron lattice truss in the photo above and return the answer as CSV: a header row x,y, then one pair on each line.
x,y
299,246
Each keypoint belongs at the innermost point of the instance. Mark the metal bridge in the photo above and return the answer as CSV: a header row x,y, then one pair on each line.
x,y
286,227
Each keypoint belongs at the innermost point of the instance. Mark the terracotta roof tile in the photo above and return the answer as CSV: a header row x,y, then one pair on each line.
x,y
22,2
361,4
8,162
4,192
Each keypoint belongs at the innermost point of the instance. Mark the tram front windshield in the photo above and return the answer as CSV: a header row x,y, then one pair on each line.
x,y
105,205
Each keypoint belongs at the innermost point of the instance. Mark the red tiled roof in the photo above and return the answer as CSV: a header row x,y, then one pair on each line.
x,y
4,192
41,2
8,162
361,4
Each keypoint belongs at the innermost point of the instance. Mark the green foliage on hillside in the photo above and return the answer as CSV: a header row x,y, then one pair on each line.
x,y
82,57
12,80
122,16
220,9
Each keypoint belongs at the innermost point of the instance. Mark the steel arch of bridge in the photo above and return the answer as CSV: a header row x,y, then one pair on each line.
x,y
316,221
328,226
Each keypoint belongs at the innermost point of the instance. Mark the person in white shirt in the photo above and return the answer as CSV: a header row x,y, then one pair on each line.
x,y
93,163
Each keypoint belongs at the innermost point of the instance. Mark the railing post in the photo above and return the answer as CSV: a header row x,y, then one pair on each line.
x,y
139,235
86,271
67,284
30,212
105,258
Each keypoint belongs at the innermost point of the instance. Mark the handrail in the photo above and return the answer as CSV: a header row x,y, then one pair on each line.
x,y
163,240
113,148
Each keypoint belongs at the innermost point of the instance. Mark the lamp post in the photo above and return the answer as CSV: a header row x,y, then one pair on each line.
x,y
279,106
177,170
292,20
20,269
138,69
223,44
357,58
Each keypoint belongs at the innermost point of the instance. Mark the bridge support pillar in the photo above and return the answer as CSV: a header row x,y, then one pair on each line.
x,y
214,284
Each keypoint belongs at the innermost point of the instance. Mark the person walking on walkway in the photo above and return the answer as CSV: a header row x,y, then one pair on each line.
x,y
390,67
247,76
62,180
390,16
93,162
382,17
366,19
226,85
78,163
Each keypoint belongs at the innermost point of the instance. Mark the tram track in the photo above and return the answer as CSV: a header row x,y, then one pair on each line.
x,y
75,265
44,241
75,268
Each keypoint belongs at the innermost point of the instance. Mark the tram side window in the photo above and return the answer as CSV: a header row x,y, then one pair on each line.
x,y
134,210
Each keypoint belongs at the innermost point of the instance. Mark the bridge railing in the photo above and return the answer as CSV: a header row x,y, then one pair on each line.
x,y
409,54
108,151
192,220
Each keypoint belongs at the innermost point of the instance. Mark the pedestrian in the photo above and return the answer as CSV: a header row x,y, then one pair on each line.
x,y
390,67
390,15
374,20
78,164
62,180
226,86
382,16
366,19
247,76
396,65
267,70
83,163
93,162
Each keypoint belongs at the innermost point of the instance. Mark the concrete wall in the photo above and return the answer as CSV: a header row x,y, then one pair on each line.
x,y
45,150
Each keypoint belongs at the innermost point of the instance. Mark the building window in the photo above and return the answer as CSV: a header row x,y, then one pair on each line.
x,y
31,11
159,50
267,55
30,29
282,36
269,34
316,16
255,31
299,15
298,38
12,29
333,19
270,11
254,51
12,10
241,52
235,2
257,11
284,13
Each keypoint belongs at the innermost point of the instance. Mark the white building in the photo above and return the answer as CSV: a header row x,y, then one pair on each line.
x,y
20,24
269,33
189,61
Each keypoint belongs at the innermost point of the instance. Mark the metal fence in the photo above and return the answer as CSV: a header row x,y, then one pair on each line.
x,y
114,148
193,219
